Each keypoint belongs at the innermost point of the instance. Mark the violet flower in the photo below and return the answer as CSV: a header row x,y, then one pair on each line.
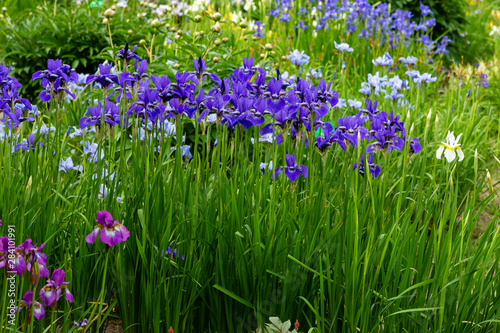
x,y
27,303
103,77
111,232
67,164
372,167
51,292
126,54
292,169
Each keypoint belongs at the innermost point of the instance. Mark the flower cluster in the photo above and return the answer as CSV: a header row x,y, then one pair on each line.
x,y
369,21
14,109
28,258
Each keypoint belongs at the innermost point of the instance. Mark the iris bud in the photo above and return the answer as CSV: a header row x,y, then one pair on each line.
x,y
488,179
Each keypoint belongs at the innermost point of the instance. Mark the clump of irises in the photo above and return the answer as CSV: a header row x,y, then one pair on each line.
x,y
368,21
29,262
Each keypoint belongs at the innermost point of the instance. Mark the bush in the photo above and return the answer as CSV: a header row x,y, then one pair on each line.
x,y
76,36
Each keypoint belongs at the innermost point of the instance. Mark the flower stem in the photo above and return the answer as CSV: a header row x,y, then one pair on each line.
x,y
110,38
101,296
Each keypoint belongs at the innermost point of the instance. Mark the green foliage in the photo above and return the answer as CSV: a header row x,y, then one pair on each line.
x,y
338,251
75,35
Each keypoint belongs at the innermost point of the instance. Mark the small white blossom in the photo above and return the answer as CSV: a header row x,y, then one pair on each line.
x,y
451,148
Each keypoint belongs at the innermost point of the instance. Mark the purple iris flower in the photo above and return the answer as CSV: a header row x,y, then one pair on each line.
x,y
104,77
256,114
275,95
259,29
352,126
248,67
330,137
15,118
415,145
111,115
124,87
51,292
162,84
148,102
182,88
172,253
4,250
27,303
68,164
199,68
140,71
324,93
374,168
29,143
292,169
126,54
56,88
55,69
424,10
82,323
249,115
484,80
34,257
8,81
387,140
111,232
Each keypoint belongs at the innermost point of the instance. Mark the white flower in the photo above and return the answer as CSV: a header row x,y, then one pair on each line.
x,y
451,148
495,30
343,47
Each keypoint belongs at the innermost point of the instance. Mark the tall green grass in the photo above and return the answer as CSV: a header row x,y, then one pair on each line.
x,y
337,251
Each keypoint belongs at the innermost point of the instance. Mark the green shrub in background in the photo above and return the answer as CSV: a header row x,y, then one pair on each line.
x,y
76,36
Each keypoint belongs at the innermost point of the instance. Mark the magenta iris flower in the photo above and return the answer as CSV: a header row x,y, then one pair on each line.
x,y
292,169
51,292
111,232
27,302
